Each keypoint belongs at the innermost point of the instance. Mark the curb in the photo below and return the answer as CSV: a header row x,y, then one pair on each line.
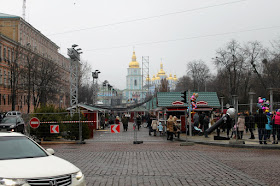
x,y
59,142
268,146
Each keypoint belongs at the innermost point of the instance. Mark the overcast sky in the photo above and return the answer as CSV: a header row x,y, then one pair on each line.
x,y
176,31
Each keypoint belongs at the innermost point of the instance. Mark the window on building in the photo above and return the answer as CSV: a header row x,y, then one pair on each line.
x,y
9,77
0,76
13,56
9,55
135,82
4,99
4,77
4,54
0,53
8,99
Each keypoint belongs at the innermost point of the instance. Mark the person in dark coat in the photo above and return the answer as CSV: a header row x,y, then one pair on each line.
x,y
149,123
138,121
125,122
250,123
261,120
206,121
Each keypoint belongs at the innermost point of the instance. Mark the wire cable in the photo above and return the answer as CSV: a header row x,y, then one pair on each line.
x,y
187,38
146,18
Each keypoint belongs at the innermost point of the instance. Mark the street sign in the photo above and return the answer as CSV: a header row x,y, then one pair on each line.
x,y
115,128
54,129
34,122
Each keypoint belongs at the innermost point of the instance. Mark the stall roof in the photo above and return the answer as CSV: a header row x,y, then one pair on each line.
x,y
165,99
151,105
139,109
87,107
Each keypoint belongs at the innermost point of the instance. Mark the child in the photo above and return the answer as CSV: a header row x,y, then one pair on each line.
x,y
160,128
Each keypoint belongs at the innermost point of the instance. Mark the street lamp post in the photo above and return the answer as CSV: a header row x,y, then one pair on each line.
x,y
95,85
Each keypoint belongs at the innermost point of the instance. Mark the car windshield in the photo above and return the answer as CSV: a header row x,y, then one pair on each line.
x,y
9,120
19,147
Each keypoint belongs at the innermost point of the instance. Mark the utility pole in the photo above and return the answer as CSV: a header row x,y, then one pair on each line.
x,y
95,85
23,9
74,55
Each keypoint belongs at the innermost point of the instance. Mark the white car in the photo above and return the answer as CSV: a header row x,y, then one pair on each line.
x,y
25,163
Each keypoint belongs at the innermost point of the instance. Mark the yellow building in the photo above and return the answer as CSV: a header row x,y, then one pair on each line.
x,y
19,39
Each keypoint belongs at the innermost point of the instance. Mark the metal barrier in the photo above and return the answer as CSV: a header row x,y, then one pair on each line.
x,y
57,127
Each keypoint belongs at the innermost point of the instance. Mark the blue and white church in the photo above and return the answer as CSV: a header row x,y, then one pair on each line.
x,y
133,92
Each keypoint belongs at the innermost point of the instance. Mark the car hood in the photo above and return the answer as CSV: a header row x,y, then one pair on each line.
x,y
48,166
7,124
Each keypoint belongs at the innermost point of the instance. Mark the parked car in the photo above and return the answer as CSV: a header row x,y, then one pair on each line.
x,y
24,162
13,113
12,123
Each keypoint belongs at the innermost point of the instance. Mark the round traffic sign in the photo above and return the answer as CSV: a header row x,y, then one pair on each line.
x,y
34,122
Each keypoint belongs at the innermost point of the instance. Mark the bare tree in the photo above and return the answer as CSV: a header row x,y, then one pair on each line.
x,y
15,70
184,83
199,72
253,52
231,60
47,82
164,86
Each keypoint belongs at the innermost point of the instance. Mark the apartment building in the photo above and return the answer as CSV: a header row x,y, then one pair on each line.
x,y
18,40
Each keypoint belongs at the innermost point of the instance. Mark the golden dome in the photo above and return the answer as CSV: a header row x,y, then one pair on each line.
x,y
175,78
133,63
148,78
157,78
170,77
161,71
153,78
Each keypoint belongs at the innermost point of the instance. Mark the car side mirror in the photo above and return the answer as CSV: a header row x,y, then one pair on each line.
x,y
51,151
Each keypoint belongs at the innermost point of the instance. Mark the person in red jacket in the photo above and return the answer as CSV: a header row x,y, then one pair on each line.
x,y
276,126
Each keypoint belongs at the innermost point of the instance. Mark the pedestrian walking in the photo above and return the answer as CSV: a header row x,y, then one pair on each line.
x,y
117,120
261,120
251,125
149,123
111,119
268,126
160,128
240,126
177,130
170,128
206,125
125,123
196,119
138,121
154,126
276,126
102,121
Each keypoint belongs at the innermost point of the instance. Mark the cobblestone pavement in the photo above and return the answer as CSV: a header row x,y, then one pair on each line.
x,y
161,162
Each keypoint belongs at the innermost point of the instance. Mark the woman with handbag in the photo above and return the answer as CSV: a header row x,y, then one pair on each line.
x,y
170,128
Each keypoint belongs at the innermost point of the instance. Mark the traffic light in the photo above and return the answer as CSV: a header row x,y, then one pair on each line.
x,y
184,96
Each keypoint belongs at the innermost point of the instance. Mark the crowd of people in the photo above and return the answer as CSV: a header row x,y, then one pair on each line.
x,y
266,123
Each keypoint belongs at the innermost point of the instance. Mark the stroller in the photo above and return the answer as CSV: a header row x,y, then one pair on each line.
x,y
197,130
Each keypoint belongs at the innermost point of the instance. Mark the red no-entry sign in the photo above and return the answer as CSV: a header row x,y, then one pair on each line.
x,y
34,123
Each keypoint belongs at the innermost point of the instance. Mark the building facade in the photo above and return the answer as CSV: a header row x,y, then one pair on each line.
x,y
133,92
18,42
155,81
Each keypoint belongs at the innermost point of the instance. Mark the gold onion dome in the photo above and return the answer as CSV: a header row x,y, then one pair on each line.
x,y
161,71
175,78
133,63
157,78
170,77
153,78
148,78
